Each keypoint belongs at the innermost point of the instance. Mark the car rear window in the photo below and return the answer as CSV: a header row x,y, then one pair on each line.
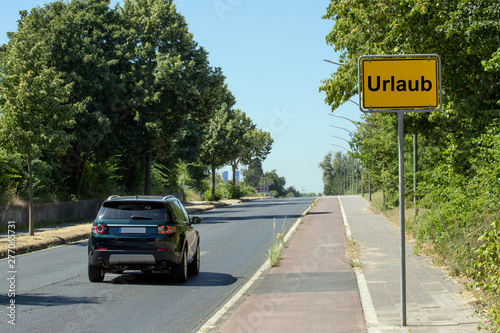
x,y
133,211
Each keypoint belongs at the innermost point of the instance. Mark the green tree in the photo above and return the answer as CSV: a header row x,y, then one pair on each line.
x,y
292,192
253,173
34,101
173,90
464,34
82,39
275,182
261,145
337,173
216,146
248,142
328,175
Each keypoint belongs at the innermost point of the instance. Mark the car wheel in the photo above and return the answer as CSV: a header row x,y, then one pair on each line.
x,y
181,271
194,266
96,274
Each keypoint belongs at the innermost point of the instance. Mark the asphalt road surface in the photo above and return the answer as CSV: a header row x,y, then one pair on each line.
x,y
53,293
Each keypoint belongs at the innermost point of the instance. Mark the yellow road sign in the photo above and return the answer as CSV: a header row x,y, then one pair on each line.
x,y
393,83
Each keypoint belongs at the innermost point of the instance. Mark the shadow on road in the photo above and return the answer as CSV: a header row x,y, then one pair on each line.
x,y
203,279
51,300
247,218
318,213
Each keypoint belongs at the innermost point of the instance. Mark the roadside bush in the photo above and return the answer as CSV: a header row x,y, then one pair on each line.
x,y
249,191
218,194
101,179
459,220
233,192
485,270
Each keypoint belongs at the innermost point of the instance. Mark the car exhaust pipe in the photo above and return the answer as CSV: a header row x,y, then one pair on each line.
x,y
163,264
101,263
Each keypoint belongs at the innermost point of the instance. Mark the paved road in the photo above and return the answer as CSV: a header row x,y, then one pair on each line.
x,y
53,293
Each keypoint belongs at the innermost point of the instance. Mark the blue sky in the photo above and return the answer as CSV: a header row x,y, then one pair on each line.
x,y
272,55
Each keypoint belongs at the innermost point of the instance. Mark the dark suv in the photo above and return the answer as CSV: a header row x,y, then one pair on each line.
x,y
146,233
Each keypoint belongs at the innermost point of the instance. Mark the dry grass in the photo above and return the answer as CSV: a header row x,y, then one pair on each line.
x,y
44,239
352,252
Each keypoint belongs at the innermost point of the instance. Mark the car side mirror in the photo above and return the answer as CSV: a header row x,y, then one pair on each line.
x,y
195,220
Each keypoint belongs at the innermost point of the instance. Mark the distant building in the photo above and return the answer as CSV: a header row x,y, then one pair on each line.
x,y
226,176
264,189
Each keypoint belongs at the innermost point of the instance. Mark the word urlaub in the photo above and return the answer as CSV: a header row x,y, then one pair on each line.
x,y
400,85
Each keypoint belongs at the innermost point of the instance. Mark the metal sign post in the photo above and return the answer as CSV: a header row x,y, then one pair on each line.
x,y
400,83
401,157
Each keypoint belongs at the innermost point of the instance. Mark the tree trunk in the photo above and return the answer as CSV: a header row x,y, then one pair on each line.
x,y
81,173
30,198
147,174
213,182
235,166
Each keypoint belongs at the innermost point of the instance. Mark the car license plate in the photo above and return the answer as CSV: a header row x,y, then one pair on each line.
x,y
132,230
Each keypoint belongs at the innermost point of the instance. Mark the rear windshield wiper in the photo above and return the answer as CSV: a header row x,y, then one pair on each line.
x,y
138,217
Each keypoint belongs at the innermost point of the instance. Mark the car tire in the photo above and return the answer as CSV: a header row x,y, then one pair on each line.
x,y
194,266
181,271
96,274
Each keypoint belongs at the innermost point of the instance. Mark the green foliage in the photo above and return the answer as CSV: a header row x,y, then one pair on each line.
x,y
233,191
459,218
124,92
339,172
10,171
102,179
275,182
253,173
251,143
277,244
195,177
248,191
485,270
219,194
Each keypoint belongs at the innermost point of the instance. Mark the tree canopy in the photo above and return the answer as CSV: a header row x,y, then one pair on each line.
x,y
114,100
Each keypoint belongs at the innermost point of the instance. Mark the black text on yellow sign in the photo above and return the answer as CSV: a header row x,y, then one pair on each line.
x,y
400,83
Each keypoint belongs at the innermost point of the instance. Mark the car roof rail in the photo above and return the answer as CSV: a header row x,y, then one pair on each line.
x,y
113,197
168,197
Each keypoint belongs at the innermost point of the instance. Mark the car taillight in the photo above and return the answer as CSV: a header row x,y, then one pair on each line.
x,y
166,229
99,229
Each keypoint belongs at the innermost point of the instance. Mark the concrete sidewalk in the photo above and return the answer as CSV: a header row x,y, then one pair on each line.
x,y
434,301
314,289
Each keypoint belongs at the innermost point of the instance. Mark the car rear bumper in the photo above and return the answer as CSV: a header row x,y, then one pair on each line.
x,y
116,260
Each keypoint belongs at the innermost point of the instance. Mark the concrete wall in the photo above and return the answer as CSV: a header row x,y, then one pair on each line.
x,y
57,212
